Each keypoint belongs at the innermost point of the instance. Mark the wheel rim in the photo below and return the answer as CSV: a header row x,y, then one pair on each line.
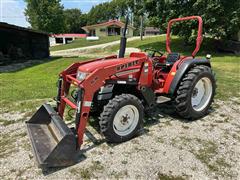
x,y
126,120
202,94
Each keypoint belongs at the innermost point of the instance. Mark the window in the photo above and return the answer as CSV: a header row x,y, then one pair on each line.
x,y
102,30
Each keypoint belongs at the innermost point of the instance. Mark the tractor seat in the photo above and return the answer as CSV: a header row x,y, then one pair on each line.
x,y
172,58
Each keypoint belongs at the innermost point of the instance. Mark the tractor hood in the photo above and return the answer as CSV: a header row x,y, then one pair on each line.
x,y
92,66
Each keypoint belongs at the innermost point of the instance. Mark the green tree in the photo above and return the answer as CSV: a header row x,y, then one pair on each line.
x,y
45,15
114,9
100,13
221,17
74,20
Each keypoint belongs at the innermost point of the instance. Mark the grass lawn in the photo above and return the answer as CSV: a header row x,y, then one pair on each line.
x,y
159,42
82,42
39,81
227,69
36,82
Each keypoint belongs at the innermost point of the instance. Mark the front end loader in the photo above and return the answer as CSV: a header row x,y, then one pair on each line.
x,y
120,89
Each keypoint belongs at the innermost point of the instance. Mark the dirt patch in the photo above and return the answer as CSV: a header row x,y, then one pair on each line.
x,y
169,148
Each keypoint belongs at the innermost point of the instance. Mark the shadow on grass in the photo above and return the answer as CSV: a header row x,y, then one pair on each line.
x,y
81,153
161,111
18,66
166,110
14,67
47,171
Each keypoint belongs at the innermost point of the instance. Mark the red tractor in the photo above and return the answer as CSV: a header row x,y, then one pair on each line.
x,y
122,88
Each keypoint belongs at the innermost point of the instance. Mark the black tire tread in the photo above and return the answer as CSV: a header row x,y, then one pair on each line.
x,y
181,100
109,109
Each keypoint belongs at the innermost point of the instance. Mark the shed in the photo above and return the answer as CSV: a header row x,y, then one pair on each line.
x,y
19,44
56,39
151,31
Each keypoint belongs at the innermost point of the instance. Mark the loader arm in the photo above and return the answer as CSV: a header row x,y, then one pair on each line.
x,y
67,77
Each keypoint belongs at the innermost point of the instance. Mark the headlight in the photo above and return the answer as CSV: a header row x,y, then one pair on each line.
x,y
81,75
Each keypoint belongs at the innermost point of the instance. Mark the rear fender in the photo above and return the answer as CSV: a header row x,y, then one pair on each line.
x,y
183,69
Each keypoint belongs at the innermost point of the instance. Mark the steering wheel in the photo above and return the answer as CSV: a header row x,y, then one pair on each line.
x,y
152,52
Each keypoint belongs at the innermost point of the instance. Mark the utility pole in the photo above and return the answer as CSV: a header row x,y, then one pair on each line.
x,y
134,11
141,11
141,27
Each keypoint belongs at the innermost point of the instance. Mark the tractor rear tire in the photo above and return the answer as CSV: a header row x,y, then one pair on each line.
x,y
121,118
195,93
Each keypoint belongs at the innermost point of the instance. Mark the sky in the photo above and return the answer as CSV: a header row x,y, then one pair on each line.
x,y
12,11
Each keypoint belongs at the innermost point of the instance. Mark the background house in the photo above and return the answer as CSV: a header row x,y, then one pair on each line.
x,y
110,28
151,31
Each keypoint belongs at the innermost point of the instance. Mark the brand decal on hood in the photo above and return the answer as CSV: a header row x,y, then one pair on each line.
x,y
127,65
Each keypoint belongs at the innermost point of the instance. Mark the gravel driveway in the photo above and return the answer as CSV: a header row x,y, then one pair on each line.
x,y
83,51
168,148
80,51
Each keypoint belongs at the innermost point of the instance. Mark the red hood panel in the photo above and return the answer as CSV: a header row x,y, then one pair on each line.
x,y
91,66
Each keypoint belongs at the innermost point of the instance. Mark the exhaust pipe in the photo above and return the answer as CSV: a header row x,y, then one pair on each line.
x,y
123,41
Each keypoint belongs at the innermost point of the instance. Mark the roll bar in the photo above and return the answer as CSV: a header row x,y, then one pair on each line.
x,y
199,35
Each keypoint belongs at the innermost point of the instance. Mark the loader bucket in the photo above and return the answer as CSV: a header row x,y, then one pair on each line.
x,y
53,143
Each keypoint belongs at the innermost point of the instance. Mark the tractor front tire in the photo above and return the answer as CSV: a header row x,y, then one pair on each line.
x,y
195,93
121,118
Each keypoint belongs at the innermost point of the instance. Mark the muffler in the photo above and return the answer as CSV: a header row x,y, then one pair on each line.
x,y
53,143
